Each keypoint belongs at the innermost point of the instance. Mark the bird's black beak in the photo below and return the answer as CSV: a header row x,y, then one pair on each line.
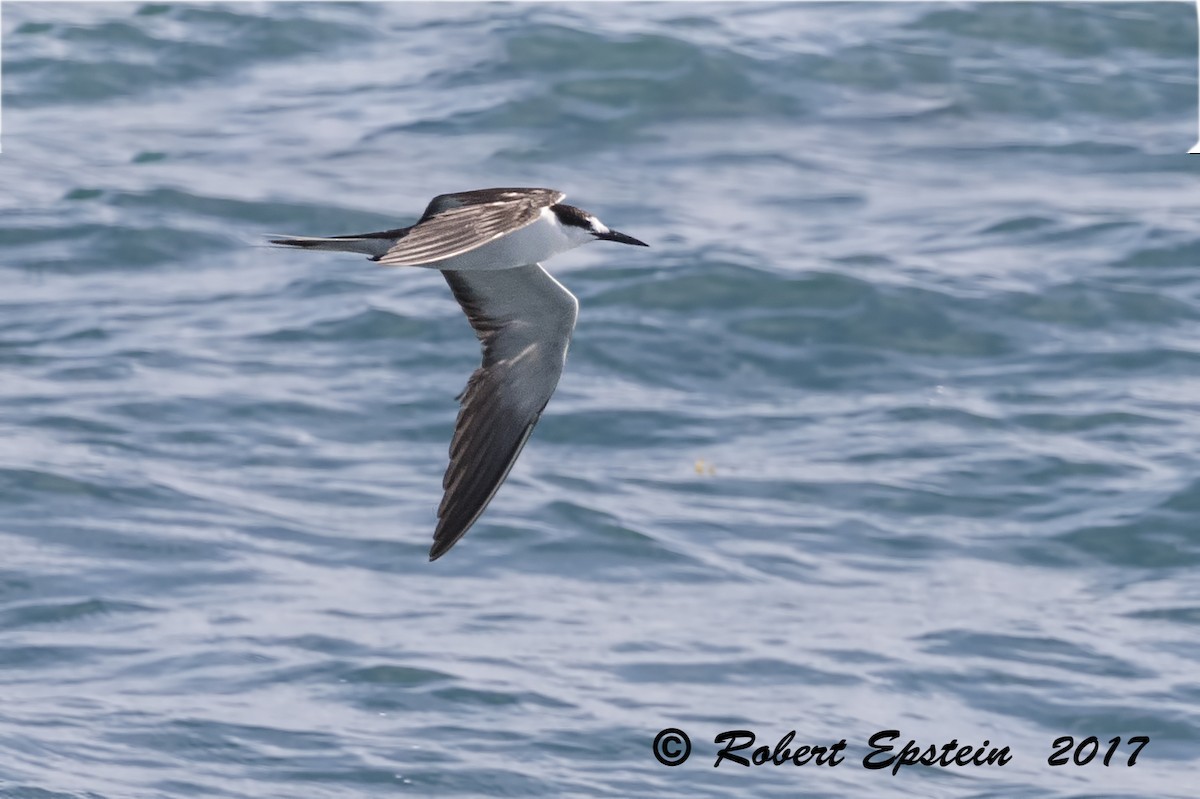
x,y
621,238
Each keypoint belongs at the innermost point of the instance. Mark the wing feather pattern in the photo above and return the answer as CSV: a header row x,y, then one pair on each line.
x,y
524,319
454,224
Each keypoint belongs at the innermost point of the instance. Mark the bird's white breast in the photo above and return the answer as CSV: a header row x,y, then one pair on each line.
x,y
532,244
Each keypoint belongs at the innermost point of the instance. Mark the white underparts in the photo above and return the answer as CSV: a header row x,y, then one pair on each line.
x,y
532,244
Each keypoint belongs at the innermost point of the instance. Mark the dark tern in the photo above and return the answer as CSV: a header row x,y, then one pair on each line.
x,y
489,245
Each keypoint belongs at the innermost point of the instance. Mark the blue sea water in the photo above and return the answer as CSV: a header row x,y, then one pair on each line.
x,y
895,426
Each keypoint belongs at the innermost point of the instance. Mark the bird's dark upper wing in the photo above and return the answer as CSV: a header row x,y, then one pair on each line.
x,y
524,319
539,197
454,224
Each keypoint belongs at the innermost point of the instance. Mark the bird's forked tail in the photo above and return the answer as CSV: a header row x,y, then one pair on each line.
x,y
372,244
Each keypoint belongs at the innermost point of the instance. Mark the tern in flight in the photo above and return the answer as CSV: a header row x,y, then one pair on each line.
x,y
489,244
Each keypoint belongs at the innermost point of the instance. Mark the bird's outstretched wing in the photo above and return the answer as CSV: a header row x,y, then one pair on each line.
x,y
454,224
524,319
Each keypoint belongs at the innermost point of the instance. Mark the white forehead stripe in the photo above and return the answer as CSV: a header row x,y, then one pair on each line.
x,y
597,225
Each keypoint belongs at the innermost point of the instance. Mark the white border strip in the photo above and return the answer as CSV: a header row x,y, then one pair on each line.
x,y
1196,147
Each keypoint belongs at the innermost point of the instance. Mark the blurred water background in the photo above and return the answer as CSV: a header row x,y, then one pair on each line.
x,y
895,426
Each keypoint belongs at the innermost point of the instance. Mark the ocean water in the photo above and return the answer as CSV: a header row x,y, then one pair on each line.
x,y
896,426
